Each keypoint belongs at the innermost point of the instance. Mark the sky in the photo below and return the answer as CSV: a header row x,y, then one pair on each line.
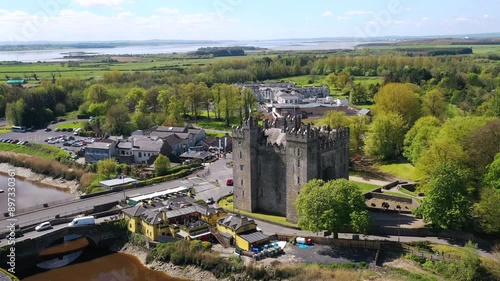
x,y
104,20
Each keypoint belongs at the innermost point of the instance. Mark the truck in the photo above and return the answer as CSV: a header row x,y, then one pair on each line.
x,y
89,220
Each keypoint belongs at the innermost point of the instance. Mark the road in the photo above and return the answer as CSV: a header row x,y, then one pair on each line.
x,y
203,182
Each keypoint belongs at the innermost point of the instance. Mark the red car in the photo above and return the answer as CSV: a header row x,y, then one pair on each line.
x,y
229,182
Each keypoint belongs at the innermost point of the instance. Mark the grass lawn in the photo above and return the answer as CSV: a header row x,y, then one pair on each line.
x,y
398,194
403,170
216,135
219,125
228,205
80,124
365,187
42,150
458,252
4,130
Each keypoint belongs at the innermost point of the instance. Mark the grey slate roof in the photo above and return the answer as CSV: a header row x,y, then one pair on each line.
x,y
253,237
171,129
148,145
235,221
135,211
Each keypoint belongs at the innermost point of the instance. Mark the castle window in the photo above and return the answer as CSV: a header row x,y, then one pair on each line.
x,y
241,182
298,162
241,155
243,193
298,180
298,151
261,191
241,167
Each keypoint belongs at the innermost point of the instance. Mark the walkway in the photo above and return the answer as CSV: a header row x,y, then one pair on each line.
x,y
269,228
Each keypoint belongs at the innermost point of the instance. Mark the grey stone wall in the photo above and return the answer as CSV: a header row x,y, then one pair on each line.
x,y
268,177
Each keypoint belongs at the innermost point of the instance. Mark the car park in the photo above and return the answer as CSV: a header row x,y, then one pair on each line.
x,y
43,226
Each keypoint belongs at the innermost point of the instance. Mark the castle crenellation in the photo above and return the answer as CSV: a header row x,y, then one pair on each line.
x,y
272,161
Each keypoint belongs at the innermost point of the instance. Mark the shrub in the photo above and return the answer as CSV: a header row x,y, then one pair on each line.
x,y
422,245
87,179
420,260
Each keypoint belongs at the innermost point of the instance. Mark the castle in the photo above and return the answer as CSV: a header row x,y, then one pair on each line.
x,y
273,161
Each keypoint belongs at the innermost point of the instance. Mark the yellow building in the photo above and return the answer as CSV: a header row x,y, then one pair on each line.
x,y
241,232
176,218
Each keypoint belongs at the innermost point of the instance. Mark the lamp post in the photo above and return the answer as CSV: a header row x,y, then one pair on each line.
x,y
399,222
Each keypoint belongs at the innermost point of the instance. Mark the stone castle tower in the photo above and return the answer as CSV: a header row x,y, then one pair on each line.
x,y
271,162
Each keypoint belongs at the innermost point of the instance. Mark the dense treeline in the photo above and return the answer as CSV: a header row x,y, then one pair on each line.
x,y
220,51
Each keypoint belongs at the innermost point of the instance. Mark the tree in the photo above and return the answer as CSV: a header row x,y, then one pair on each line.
x,y
486,210
434,104
117,120
492,177
161,165
134,96
332,206
336,119
15,111
357,130
401,99
419,136
446,204
107,167
97,94
385,136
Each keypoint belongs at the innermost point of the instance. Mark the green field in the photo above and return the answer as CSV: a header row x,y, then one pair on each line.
x,y
80,124
228,205
403,170
365,187
477,49
46,151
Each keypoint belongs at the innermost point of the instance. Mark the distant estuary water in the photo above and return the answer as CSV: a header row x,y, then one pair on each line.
x,y
28,194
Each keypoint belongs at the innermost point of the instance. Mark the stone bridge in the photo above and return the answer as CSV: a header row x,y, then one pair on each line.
x,y
27,251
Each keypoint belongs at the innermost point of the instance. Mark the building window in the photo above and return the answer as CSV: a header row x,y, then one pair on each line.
x,y
241,182
298,162
241,167
298,180
243,193
298,151
140,154
261,191
241,155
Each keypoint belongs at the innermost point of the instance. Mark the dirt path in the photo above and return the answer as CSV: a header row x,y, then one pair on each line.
x,y
370,181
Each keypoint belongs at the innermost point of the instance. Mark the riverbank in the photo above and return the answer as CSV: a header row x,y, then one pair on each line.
x,y
183,272
28,175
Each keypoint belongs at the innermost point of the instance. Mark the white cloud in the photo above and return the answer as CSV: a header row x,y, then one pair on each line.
x,y
486,16
425,19
461,19
343,18
327,14
168,11
407,9
89,3
358,13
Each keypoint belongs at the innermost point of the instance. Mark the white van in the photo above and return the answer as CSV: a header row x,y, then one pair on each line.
x,y
75,132
82,221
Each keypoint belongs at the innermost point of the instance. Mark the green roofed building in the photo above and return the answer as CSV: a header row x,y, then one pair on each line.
x,y
16,82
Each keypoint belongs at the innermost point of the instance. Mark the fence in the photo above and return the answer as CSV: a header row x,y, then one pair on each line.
x,y
350,243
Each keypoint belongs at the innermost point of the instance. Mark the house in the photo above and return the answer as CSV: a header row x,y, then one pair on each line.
x,y
178,217
216,144
100,150
146,149
241,232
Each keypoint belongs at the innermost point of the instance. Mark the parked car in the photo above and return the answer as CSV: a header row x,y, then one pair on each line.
x,y
43,226
66,144
210,200
15,141
64,130
48,129
53,122
70,129
229,182
57,130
